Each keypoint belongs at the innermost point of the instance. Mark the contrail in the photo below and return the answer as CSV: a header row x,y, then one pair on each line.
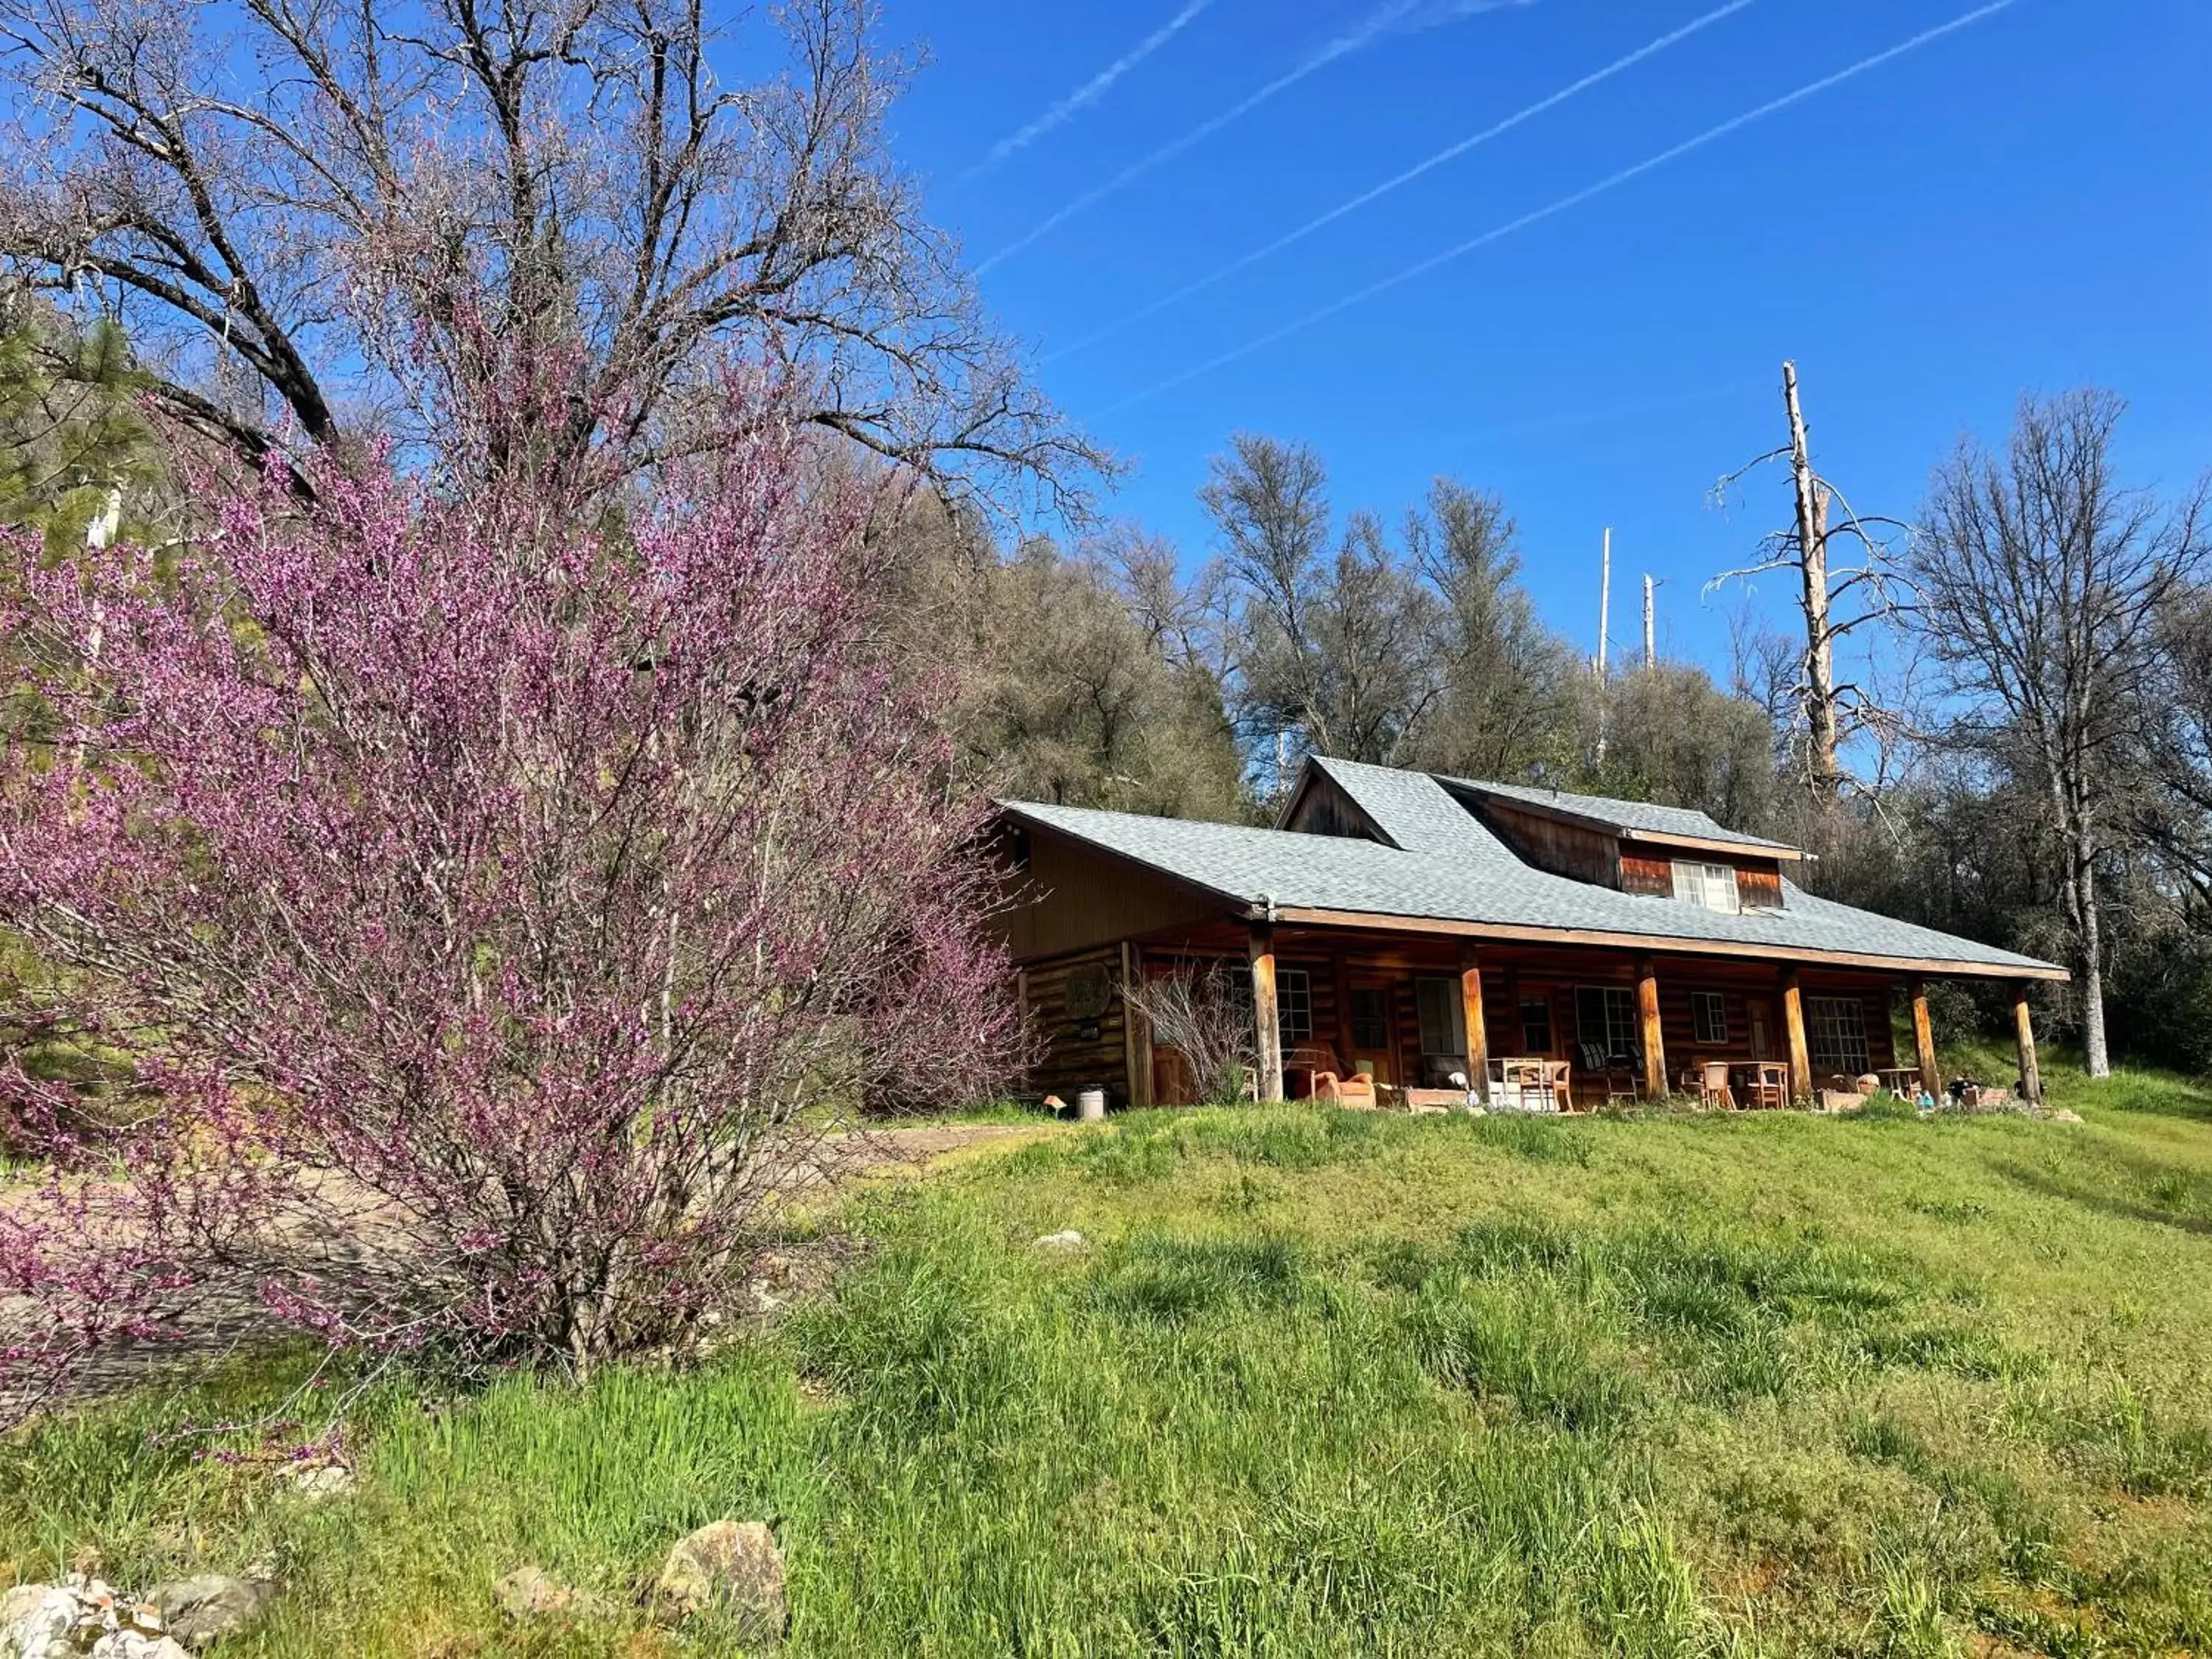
x,y
1374,24
1425,266
1091,90
1451,153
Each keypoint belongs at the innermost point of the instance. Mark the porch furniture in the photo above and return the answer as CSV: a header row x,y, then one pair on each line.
x,y
1903,1081
1436,1100
1357,1090
1765,1083
1713,1088
1526,1084
1616,1072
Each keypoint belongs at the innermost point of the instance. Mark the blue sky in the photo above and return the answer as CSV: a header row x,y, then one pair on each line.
x,y
2025,202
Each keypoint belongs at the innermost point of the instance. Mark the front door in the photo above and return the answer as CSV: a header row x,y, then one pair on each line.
x,y
1761,1015
1371,1033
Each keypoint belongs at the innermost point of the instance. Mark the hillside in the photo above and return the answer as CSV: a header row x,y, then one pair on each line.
x,y
1329,1383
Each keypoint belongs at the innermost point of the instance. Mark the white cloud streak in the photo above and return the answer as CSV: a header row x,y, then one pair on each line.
x,y
1422,268
1450,153
1091,90
1375,23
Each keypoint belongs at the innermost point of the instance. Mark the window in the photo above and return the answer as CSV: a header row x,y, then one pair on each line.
x,y
1293,1001
1371,1019
1710,885
1837,1034
1535,1026
1709,1016
1605,1017
1443,1019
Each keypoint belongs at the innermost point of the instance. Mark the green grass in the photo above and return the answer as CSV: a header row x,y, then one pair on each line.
x,y
1335,1383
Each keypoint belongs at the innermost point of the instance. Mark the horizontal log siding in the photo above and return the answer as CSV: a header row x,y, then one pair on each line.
x,y
1067,1061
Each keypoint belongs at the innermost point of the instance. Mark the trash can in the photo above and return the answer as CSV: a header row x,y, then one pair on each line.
x,y
1090,1105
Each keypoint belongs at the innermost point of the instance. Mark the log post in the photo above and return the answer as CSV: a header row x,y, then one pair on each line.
x,y
1136,1030
1801,1052
1654,1039
1923,1040
1266,1026
2031,1078
1478,1031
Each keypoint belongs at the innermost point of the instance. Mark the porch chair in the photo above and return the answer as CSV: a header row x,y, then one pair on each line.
x,y
1713,1088
1617,1074
1766,1084
1328,1079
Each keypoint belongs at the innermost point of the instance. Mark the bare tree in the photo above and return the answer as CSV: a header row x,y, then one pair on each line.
x,y
1333,650
318,221
1196,1008
1844,569
2043,582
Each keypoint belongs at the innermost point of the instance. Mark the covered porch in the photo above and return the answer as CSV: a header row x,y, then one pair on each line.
x,y
1436,1018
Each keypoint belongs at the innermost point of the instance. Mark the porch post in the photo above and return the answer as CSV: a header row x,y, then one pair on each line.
x,y
1478,1035
1801,1053
1923,1040
1655,1040
1266,1027
2031,1079
1136,1029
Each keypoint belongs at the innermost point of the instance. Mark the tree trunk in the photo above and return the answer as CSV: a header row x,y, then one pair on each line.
x,y
2095,1054
1826,774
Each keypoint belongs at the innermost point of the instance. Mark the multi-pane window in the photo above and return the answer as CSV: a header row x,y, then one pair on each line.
x,y
1293,1001
1710,885
1836,1033
1371,1019
1604,1017
1709,1016
1535,1026
1294,1005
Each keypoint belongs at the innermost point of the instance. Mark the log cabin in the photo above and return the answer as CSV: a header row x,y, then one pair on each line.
x,y
1442,937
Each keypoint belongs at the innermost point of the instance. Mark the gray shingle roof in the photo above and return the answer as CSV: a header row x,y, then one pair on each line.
x,y
1442,873
1628,817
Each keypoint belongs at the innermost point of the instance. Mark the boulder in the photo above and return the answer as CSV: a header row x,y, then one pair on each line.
x,y
209,1605
1068,1240
731,1564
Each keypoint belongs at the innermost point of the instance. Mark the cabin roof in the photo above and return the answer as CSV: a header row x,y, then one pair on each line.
x,y
1631,820
1467,880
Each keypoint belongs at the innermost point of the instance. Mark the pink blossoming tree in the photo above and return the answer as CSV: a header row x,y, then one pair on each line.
x,y
493,899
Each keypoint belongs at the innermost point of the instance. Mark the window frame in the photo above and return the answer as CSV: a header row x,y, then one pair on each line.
x,y
1543,1007
1699,883
1833,1022
1613,1001
1293,1001
1713,1032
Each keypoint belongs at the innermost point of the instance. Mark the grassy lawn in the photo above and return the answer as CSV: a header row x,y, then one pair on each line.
x,y
1333,1383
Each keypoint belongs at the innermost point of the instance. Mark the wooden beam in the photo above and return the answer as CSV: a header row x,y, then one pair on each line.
x,y
1923,1040
1136,1032
1654,1038
1266,1027
1478,1031
2031,1077
1793,1021
1488,932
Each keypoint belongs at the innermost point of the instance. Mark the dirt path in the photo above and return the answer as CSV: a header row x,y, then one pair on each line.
x,y
224,1319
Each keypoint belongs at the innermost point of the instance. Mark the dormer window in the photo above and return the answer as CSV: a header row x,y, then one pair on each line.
x,y
1710,885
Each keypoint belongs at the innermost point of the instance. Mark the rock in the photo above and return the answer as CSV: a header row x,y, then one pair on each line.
x,y
2065,1114
80,1617
1069,1240
734,1565
531,1592
207,1608
320,1481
